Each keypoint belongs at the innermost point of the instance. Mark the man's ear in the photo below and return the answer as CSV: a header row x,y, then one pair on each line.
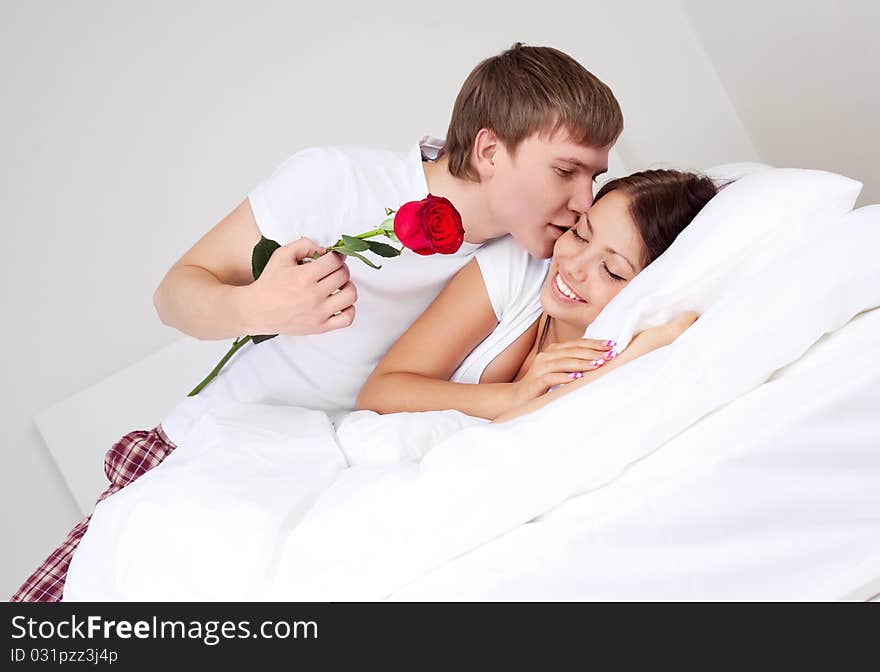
x,y
486,147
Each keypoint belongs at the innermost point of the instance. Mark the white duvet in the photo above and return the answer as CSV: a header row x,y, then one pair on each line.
x,y
742,462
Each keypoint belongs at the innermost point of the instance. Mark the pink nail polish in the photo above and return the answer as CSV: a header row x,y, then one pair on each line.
x,y
611,354
575,375
610,344
598,362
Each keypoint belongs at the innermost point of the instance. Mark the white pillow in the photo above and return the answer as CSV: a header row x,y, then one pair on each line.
x,y
733,171
749,225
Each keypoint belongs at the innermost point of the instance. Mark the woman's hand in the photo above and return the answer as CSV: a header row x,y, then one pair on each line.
x,y
658,337
643,343
561,363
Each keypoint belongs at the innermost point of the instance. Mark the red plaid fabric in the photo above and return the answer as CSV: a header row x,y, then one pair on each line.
x,y
130,458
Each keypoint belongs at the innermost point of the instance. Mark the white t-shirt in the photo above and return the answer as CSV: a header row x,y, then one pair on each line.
x,y
322,193
513,280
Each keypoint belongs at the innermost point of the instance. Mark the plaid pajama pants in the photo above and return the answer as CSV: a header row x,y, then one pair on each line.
x,y
130,458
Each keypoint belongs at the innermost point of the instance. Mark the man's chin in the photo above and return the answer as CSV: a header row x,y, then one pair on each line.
x,y
540,250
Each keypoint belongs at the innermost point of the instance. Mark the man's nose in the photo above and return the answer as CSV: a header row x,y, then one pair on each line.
x,y
582,198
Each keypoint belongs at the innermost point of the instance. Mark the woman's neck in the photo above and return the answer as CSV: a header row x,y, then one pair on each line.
x,y
558,331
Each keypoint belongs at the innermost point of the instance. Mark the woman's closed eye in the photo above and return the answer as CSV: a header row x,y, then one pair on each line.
x,y
610,274
583,240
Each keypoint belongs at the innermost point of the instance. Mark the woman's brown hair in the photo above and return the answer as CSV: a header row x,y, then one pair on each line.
x,y
661,203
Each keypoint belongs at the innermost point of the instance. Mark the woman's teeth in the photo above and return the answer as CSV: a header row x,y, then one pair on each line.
x,y
565,289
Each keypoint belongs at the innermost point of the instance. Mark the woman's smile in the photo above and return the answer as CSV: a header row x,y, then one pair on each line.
x,y
565,293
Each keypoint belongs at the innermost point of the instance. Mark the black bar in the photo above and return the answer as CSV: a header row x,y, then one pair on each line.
x,y
161,635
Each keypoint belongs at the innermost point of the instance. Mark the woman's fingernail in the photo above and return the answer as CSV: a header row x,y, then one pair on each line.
x,y
575,375
598,362
611,354
610,344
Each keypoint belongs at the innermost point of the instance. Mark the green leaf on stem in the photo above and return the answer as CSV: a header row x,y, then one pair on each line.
x,y
260,256
383,249
389,212
351,253
355,244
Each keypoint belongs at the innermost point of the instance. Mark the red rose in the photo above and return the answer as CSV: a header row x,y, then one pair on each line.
x,y
431,226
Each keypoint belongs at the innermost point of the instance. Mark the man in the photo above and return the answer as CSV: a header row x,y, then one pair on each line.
x,y
530,130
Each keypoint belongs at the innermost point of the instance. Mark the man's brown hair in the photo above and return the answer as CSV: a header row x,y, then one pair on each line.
x,y
527,90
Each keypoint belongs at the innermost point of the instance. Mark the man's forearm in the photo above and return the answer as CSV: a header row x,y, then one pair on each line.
x,y
194,301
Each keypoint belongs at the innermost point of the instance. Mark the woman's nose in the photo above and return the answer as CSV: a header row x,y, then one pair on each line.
x,y
576,269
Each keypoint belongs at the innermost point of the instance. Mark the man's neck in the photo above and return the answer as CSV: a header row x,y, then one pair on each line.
x,y
468,198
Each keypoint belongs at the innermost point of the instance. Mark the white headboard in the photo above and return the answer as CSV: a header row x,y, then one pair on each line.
x,y
81,429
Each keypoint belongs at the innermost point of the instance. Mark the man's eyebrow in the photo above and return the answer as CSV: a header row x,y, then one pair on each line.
x,y
581,164
607,249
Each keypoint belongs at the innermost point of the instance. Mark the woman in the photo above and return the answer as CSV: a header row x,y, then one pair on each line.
x,y
475,331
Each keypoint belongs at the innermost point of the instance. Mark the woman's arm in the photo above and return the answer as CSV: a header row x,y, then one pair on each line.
x,y
643,343
414,374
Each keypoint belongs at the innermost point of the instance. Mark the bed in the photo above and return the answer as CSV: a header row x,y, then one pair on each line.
x,y
703,476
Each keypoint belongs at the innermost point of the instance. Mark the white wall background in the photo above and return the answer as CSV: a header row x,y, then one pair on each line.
x,y
804,77
130,128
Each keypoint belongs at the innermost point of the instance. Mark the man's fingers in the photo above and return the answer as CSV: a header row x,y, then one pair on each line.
x,y
345,297
323,266
341,320
335,280
301,248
